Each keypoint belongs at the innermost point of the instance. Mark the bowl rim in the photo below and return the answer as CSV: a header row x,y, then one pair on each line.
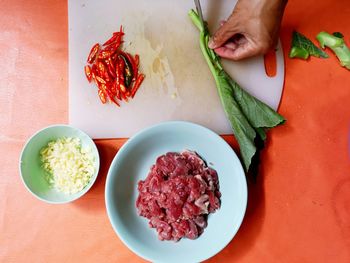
x,y
85,189
122,149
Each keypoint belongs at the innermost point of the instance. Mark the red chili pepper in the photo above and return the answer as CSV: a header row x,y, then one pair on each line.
x,y
93,72
93,53
109,89
123,95
102,96
103,71
109,64
111,72
94,79
88,72
115,45
122,88
117,80
122,68
111,40
114,38
118,42
112,69
94,69
108,85
118,94
133,65
113,87
137,84
137,60
120,34
111,48
117,73
114,57
106,61
101,80
111,97
104,54
112,63
107,77
101,68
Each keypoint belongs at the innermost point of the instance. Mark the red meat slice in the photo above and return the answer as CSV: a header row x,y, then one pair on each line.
x,y
178,194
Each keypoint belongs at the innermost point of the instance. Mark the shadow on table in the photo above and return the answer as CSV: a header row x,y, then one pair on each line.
x,y
93,200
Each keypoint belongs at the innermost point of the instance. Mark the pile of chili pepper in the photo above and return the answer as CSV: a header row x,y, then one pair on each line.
x,y
114,71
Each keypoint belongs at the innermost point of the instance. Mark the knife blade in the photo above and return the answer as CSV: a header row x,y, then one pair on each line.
x,y
199,11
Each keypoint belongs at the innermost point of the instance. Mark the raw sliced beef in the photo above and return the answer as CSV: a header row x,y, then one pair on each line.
x,y
178,194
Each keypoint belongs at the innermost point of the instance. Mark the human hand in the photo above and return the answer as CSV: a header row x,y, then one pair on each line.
x,y
252,29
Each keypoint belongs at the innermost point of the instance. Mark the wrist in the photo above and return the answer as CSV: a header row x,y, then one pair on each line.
x,y
263,5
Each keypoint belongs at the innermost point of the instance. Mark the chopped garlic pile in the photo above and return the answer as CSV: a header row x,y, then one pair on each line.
x,y
68,166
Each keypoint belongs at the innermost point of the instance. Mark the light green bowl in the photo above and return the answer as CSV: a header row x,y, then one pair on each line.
x,y
30,164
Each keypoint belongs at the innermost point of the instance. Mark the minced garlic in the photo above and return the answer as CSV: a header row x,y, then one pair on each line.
x,y
68,166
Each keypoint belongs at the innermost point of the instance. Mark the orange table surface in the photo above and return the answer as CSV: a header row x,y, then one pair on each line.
x,y
298,210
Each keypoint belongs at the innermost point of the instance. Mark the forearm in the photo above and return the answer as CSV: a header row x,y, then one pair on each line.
x,y
264,4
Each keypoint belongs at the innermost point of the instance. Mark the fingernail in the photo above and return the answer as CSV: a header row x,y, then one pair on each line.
x,y
211,43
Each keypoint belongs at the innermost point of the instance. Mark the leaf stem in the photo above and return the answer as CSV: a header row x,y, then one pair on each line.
x,y
203,43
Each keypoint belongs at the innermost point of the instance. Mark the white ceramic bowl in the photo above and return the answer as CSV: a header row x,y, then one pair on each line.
x,y
132,163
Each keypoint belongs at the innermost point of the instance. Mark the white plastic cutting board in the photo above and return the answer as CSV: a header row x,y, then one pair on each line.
x,y
178,84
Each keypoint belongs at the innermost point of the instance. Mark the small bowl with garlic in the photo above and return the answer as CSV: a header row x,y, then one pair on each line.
x,y
59,164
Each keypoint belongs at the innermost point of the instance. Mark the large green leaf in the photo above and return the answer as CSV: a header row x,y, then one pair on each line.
x,y
258,113
247,115
243,131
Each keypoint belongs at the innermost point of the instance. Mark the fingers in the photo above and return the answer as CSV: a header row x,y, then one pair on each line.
x,y
225,52
231,45
225,32
222,22
243,52
233,51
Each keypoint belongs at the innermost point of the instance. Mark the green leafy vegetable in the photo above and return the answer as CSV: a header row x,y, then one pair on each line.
x,y
248,116
336,43
338,34
297,52
302,47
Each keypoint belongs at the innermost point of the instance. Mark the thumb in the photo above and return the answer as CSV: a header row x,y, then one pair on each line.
x,y
224,33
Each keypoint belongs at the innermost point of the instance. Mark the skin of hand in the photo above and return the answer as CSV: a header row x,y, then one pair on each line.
x,y
252,29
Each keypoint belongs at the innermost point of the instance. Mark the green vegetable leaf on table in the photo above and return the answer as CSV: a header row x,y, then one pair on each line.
x,y
249,117
338,34
302,47
336,43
